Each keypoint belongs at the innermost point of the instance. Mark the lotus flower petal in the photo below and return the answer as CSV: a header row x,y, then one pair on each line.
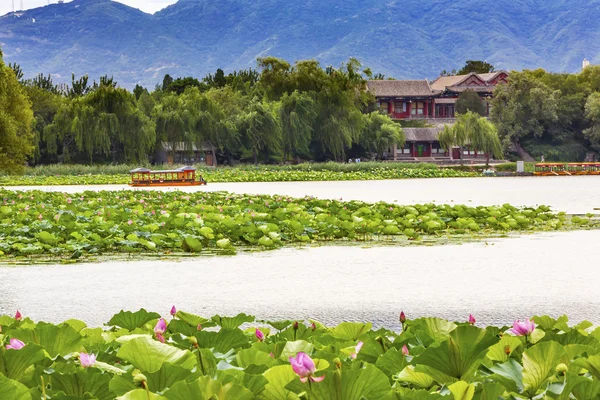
x,y
15,344
87,360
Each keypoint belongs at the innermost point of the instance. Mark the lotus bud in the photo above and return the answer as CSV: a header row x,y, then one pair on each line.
x,y
405,351
15,344
561,369
271,355
193,340
313,326
173,311
472,319
402,318
507,350
139,378
338,363
199,327
18,316
296,325
523,328
259,335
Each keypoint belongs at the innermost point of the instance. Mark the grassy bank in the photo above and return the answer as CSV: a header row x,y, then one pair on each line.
x,y
143,356
74,226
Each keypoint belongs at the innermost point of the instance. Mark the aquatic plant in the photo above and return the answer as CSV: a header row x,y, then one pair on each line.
x,y
299,359
36,224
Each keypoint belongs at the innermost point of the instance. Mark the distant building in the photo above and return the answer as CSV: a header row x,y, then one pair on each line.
x,y
434,102
420,99
585,64
187,155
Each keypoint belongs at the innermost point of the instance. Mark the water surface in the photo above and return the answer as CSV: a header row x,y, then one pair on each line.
x,y
498,282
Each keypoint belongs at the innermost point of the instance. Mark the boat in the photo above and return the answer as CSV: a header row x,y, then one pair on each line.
x,y
184,176
566,169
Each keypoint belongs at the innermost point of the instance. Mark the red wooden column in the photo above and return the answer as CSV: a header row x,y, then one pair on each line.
x,y
433,108
426,108
390,106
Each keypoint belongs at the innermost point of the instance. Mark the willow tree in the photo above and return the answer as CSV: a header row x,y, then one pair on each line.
x,y
380,133
16,119
297,115
474,131
260,129
592,114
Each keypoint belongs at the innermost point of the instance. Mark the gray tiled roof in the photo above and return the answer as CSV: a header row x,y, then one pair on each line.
x,y
421,134
400,88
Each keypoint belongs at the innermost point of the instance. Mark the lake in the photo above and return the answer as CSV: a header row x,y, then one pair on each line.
x,y
498,281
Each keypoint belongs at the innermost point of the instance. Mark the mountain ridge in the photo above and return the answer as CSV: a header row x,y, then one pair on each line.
x,y
403,39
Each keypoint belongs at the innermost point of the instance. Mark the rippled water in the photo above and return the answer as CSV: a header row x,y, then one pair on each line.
x,y
573,194
497,281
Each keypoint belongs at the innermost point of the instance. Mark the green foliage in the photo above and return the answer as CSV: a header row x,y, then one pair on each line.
x,y
469,100
381,133
40,225
16,120
592,113
479,67
446,360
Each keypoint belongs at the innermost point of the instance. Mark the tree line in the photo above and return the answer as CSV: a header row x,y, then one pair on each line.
x,y
280,112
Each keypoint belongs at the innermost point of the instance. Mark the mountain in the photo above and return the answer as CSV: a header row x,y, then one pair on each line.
x,y
401,38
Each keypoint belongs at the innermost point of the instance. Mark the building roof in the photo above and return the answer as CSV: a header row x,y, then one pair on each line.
x,y
421,134
400,88
454,82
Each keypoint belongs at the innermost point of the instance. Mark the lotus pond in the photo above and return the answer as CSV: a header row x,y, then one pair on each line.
x,y
52,224
139,355
250,174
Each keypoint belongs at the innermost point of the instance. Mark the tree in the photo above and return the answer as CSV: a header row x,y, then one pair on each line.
x,y
17,70
79,87
16,119
138,91
179,85
479,67
274,76
381,133
470,101
472,130
260,129
523,107
297,115
592,113
167,80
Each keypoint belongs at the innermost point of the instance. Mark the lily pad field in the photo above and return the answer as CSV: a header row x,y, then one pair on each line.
x,y
54,225
140,355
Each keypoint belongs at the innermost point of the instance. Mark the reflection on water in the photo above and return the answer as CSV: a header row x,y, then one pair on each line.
x,y
499,281
573,194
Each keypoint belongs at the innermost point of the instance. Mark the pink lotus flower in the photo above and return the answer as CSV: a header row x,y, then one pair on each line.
x,y
271,355
357,350
129,222
87,360
472,319
160,329
523,328
402,317
18,316
15,344
199,327
259,335
304,366
69,201
173,311
40,217
405,351
313,326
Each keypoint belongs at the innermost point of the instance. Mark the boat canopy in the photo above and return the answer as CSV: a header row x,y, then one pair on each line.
x,y
187,168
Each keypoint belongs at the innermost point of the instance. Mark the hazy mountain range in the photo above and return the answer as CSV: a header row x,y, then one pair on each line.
x,y
401,38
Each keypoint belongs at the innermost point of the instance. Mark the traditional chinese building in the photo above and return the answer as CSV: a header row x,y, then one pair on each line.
x,y
434,102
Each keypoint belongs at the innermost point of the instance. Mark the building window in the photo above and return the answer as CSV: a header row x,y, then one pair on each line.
x,y
406,149
399,107
418,108
383,106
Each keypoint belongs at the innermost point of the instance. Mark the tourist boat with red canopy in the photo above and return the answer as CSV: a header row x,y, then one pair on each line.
x,y
184,176
567,169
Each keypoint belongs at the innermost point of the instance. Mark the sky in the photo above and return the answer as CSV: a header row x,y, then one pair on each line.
x,y
149,6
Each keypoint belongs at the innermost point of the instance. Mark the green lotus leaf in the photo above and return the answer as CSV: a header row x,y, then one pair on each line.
x,y
13,390
82,382
252,356
16,362
351,330
192,244
140,394
149,355
589,389
435,329
132,320
391,362
490,391
278,378
232,322
458,357
502,350
539,364
509,374
205,388
223,341
418,379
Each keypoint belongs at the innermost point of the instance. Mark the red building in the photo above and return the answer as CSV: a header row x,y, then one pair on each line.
x,y
434,102
420,99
